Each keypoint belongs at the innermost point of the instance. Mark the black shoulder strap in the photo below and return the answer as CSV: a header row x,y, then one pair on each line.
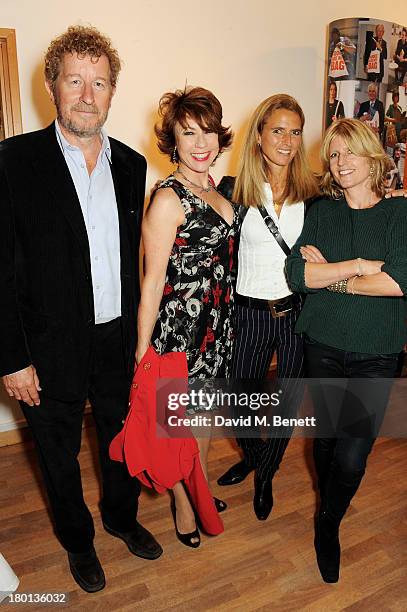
x,y
273,229
226,186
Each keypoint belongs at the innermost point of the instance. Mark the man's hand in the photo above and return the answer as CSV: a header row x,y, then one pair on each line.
x,y
23,385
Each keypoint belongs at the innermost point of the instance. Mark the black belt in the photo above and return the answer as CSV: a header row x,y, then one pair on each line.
x,y
278,308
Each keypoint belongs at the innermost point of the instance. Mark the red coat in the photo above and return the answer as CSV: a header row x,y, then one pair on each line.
x,y
160,461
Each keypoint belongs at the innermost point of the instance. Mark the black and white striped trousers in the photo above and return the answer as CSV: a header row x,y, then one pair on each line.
x,y
258,336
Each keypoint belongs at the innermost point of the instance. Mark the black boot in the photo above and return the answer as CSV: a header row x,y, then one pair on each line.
x,y
327,547
339,491
323,452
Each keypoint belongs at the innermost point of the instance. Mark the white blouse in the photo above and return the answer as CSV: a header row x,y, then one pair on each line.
x,y
261,260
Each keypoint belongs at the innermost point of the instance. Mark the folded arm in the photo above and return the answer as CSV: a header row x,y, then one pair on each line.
x,y
318,273
380,284
364,276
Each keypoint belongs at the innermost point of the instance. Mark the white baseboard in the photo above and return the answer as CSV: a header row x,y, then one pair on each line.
x,y
17,431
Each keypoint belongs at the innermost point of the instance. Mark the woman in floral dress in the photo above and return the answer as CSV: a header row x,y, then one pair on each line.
x,y
188,234
195,309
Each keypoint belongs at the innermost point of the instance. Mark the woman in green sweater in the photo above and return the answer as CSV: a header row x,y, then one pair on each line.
x,y
351,260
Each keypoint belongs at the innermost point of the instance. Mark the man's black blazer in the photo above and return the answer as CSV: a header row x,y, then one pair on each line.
x,y
378,106
46,296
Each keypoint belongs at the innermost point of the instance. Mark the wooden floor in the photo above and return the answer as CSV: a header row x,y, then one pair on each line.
x,y
252,566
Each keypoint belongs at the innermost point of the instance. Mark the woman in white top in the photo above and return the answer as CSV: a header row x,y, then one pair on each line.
x,y
274,180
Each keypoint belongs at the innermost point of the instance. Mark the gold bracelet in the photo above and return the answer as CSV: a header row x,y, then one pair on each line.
x,y
339,286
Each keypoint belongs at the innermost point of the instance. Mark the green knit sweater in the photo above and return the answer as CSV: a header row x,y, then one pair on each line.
x,y
354,323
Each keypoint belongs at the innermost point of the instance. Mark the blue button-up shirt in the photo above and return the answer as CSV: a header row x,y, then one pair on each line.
x,y
99,208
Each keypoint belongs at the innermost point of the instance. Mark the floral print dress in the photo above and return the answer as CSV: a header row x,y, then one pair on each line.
x,y
195,313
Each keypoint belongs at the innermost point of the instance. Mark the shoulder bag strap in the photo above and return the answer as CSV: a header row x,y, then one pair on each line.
x,y
273,229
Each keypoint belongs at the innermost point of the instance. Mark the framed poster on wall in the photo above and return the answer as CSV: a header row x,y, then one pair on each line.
x,y
10,109
367,79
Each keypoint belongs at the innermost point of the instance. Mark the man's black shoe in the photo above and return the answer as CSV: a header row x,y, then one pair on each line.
x,y
139,541
263,497
237,473
87,571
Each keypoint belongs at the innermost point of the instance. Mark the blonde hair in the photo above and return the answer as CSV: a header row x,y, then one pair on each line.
x,y
362,141
252,171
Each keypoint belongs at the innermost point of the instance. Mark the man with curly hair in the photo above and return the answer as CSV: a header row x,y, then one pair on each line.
x,y
72,201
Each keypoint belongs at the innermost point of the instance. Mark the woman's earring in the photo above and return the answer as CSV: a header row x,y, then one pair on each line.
x,y
174,156
371,171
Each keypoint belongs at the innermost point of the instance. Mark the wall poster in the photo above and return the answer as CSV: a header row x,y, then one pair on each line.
x,y
367,79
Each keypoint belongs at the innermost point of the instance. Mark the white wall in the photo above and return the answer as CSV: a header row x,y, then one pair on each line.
x,y
243,50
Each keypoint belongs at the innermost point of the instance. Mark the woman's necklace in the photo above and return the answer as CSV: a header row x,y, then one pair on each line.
x,y
207,189
278,192
278,207
278,201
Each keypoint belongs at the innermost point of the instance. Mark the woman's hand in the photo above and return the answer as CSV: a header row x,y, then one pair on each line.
x,y
370,266
140,352
311,254
395,193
